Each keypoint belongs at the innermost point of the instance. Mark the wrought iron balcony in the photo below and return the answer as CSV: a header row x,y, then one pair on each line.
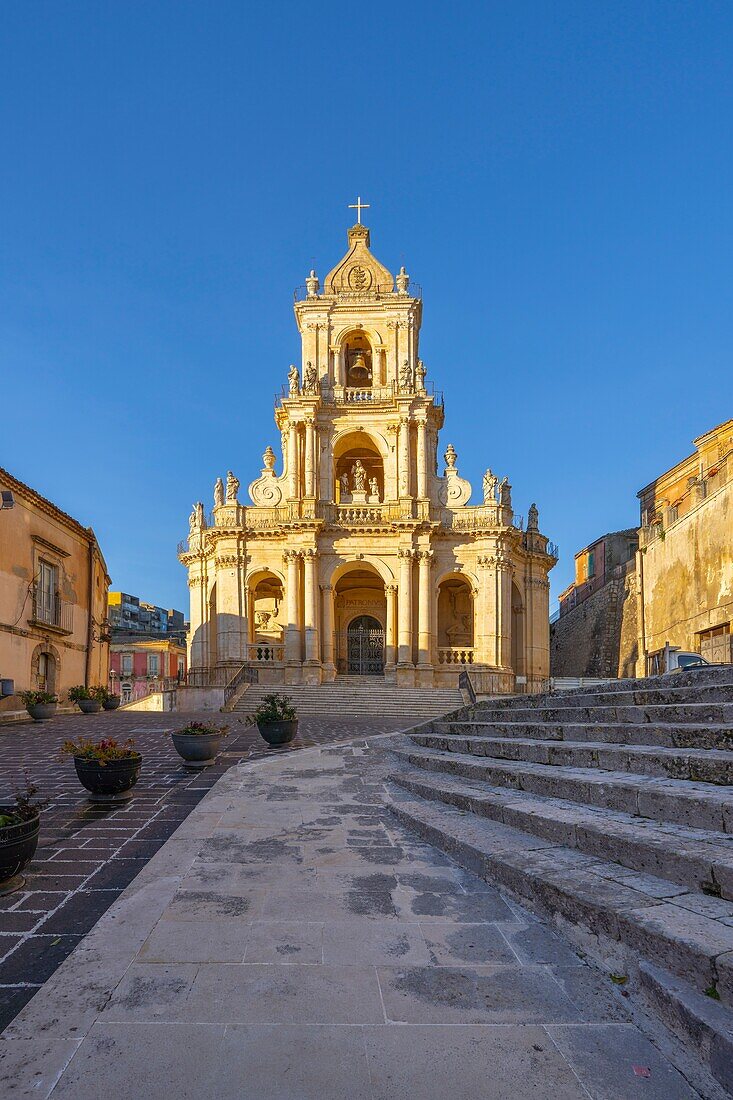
x,y
51,611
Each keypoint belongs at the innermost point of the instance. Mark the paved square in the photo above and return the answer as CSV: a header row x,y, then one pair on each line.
x,y
293,942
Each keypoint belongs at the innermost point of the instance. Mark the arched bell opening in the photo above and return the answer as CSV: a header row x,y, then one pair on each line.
x,y
360,606
455,621
357,361
358,470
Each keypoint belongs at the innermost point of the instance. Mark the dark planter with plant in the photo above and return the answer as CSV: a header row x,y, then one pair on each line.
x,y
88,700
41,705
107,769
19,827
111,701
198,743
276,719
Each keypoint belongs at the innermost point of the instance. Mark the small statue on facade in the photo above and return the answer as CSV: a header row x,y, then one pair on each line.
x,y
402,280
358,476
373,487
232,488
533,518
196,521
344,482
450,456
420,372
293,380
490,483
505,493
310,378
218,493
405,376
192,521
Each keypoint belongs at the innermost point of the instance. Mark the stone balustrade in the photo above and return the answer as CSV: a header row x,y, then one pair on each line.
x,y
266,653
456,655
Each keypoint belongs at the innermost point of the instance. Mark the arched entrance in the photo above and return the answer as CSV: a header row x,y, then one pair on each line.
x,y
365,646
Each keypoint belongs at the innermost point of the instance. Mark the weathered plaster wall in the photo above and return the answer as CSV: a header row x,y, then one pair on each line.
x,y
688,574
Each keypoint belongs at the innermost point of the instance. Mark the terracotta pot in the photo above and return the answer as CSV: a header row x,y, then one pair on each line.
x,y
17,847
278,733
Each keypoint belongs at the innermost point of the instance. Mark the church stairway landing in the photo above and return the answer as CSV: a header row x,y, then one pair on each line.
x,y
358,696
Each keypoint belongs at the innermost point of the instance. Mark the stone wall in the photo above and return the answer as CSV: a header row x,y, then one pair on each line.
x,y
688,574
599,637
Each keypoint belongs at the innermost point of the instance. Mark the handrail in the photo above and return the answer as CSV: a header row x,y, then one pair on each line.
x,y
465,684
244,675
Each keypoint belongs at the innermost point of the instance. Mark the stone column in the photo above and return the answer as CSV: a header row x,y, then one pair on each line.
x,y
229,611
504,605
390,655
311,607
329,666
310,462
484,613
293,461
196,630
292,632
422,460
404,460
424,634
405,609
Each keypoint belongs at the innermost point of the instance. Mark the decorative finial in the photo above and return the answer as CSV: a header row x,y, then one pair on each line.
x,y
450,456
312,284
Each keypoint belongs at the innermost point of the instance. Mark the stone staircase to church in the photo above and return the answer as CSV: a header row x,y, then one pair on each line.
x,y
610,809
357,697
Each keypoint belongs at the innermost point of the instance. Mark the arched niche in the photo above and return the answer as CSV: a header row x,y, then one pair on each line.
x,y
455,613
349,450
266,607
360,619
518,629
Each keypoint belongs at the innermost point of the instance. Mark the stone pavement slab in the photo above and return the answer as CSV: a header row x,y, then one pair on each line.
x,y
261,953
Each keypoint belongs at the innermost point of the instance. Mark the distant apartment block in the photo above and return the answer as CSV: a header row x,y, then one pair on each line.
x,y
131,614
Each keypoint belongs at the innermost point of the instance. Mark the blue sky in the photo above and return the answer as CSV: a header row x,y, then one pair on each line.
x,y
556,175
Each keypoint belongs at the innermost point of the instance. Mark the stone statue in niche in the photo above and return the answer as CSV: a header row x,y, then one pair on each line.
x,y
232,488
505,493
374,488
344,480
490,483
459,631
405,377
450,456
218,493
533,518
310,378
358,476
293,380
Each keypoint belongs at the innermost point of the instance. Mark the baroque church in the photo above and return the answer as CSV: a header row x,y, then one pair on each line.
x,y
360,557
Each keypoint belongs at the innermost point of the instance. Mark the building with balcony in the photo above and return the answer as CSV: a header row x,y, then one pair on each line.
x,y
53,596
360,556
139,664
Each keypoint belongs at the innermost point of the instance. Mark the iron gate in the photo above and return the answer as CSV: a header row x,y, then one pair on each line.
x,y
365,647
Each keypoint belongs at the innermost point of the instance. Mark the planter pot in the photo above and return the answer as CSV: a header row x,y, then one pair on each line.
x,y
111,703
17,848
278,733
112,782
89,706
198,750
41,712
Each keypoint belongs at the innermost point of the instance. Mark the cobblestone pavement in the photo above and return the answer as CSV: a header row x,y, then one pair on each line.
x,y
88,854
294,941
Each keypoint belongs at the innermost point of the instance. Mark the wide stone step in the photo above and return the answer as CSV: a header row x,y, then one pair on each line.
x,y
613,911
619,733
693,859
603,696
703,765
719,714
361,699
681,802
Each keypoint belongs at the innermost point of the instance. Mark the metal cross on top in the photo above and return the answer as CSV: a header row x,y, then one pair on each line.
x,y
358,206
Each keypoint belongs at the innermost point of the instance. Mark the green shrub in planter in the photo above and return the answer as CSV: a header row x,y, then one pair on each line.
x,y
88,699
19,828
41,705
106,768
277,719
198,743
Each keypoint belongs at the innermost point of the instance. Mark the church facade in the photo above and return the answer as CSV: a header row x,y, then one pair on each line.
x,y
360,557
